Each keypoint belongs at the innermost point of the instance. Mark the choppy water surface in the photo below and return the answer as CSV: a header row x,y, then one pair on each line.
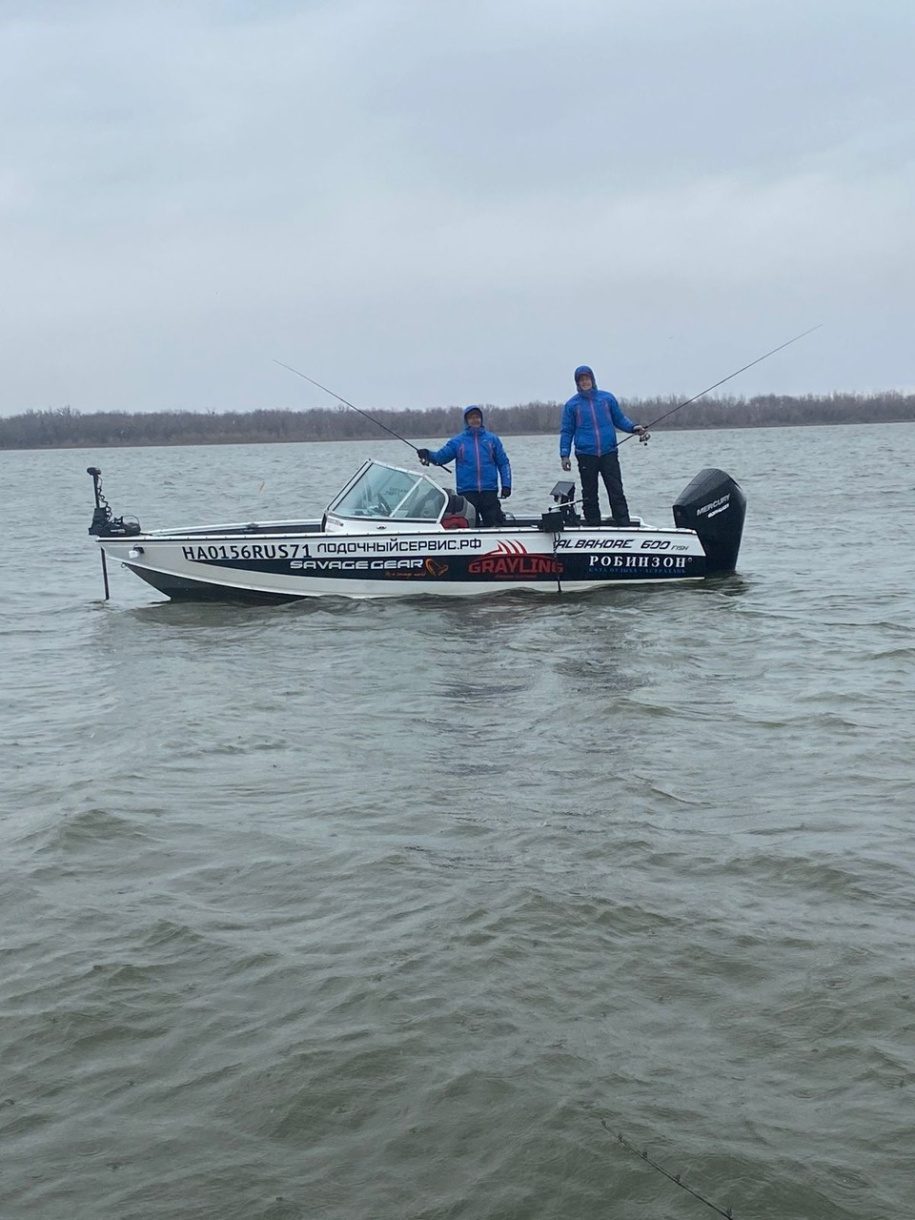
x,y
358,910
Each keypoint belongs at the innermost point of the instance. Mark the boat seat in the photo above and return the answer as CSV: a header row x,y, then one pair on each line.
x,y
458,512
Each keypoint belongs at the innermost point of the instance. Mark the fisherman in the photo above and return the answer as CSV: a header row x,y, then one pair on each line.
x,y
481,463
590,418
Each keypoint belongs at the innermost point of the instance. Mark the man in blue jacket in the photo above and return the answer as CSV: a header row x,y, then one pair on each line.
x,y
591,419
481,463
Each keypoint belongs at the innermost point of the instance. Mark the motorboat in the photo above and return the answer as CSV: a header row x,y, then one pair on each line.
x,y
393,532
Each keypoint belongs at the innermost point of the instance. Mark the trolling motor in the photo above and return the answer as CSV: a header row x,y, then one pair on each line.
x,y
563,513
104,523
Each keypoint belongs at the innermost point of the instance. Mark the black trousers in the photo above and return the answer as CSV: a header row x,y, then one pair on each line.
x,y
489,510
608,467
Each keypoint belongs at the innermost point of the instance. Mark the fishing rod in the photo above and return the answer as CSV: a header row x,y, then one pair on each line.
x,y
730,377
671,1177
346,403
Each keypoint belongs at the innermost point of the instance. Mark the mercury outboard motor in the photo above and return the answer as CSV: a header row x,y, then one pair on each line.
x,y
714,506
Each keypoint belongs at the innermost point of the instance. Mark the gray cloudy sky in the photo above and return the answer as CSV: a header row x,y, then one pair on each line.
x,y
422,202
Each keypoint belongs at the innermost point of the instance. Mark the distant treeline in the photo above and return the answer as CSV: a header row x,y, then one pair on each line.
x,y
64,427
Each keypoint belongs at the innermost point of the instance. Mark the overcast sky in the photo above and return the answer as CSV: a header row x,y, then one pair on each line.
x,y
430,202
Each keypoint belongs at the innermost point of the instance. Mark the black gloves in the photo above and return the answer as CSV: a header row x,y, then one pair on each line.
x,y
506,492
423,455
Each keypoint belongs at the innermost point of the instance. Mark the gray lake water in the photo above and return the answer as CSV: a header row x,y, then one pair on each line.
x,y
376,911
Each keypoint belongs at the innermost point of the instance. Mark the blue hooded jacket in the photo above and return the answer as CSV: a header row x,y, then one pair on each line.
x,y
591,420
479,456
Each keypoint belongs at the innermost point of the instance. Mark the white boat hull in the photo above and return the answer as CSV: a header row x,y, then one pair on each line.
x,y
366,546
454,564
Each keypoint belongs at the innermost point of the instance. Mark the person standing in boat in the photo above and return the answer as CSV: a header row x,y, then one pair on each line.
x,y
481,463
591,419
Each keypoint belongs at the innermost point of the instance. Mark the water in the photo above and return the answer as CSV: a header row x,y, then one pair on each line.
x,y
368,911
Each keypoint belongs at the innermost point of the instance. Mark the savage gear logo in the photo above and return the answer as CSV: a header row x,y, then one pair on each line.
x,y
511,560
435,567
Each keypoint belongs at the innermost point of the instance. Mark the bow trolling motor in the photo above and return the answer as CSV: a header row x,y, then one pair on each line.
x,y
104,523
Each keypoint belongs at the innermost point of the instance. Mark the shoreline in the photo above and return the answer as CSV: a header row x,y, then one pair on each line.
x,y
179,442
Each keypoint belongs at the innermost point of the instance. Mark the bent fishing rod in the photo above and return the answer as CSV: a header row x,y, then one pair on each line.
x,y
730,377
346,403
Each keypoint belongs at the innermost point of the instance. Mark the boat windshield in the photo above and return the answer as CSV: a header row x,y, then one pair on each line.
x,y
383,493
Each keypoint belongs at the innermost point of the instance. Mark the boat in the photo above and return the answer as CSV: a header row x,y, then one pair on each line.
x,y
393,532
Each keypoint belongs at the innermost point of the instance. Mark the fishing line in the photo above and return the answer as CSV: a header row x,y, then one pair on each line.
x,y
346,403
730,377
671,1177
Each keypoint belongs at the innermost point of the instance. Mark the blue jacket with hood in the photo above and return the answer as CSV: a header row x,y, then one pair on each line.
x,y
591,420
480,460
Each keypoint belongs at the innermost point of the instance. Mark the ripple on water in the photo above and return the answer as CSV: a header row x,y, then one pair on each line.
x,y
370,911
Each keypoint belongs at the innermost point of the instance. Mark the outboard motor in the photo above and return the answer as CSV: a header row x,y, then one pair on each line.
x,y
714,506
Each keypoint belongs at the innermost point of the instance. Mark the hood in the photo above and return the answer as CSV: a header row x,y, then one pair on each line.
x,y
474,408
582,369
